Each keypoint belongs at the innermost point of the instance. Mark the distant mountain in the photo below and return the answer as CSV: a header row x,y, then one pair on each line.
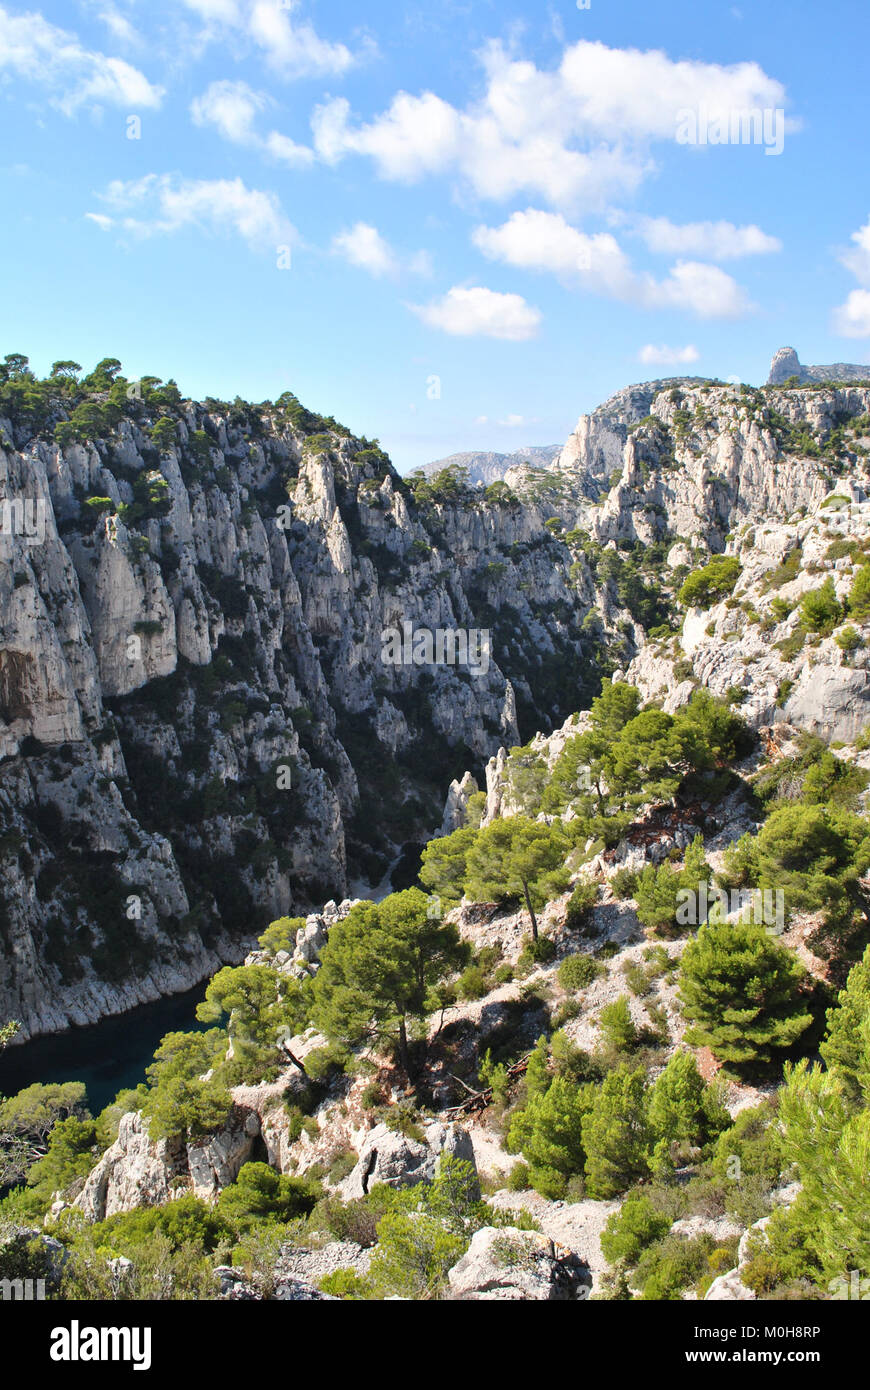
x,y
486,467
786,364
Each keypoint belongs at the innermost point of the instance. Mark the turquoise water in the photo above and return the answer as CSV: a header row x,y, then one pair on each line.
x,y
107,1056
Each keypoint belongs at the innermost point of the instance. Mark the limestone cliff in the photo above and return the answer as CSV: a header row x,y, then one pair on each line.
x,y
198,726
198,729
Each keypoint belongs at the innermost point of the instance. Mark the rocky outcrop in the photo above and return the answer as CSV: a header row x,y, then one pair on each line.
x,y
138,1171
729,1288
135,1171
295,1262
509,1264
596,448
456,805
753,643
399,1161
786,364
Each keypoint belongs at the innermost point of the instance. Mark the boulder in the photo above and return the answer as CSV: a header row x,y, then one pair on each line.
x,y
518,1266
311,939
728,1288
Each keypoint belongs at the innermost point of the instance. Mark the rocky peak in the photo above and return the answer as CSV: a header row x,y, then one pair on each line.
x,y
786,364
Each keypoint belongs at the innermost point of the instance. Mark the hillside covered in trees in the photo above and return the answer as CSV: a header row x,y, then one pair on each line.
x,y
543,1041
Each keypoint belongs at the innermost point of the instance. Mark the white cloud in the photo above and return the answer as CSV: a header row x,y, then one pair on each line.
x,y
852,319
362,245
720,241
291,46
232,108
704,290
216,11
536,240
34,49
479,312
417,136
857,259
160,203
575,135
119,26
639,93
286,151
663,356
510,422
294,49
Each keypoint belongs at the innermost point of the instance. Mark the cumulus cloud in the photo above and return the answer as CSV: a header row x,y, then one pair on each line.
x,y
232,109
161,203
75,76
294,48
574,135
663,356
364,246
291,46
857,258
544,241
852,319
719,241
704,290
479,312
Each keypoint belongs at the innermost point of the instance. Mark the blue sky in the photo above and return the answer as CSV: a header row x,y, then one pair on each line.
x,y
452,226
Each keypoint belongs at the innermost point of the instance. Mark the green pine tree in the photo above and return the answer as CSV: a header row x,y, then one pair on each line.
x,y
379,969
617,1134
741,992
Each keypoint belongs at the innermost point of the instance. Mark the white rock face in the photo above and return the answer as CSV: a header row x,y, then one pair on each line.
x,y
138,1171
786,363
728,1288
510,1264
114,739
135,1171
397,1161
457,803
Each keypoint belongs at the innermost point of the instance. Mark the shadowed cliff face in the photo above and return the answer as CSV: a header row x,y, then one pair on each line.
x,y
199,730
202,723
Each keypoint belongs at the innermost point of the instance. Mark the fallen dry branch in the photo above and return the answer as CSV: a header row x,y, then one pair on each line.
x,y
478,1101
